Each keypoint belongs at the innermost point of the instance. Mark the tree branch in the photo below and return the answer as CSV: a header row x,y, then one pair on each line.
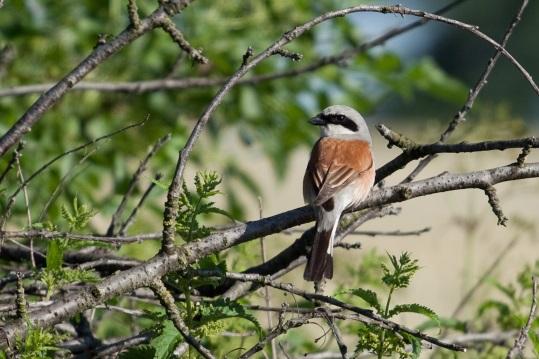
x,y
173,313
460,116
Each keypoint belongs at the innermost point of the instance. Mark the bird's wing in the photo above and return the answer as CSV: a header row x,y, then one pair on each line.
x,y
334,164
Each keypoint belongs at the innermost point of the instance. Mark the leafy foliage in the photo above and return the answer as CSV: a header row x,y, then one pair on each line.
x,y
38,344
402,272
54,275
195,204
381,342
209,319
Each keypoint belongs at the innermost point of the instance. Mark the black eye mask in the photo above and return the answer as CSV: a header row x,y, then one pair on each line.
x,y
339,120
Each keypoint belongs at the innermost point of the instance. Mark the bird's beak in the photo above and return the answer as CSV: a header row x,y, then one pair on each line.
x,y
317,121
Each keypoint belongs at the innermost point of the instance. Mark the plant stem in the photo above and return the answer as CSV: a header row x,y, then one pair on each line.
x,y
386,312
193,218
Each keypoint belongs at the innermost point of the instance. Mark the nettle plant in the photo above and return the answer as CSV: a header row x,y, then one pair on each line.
x,y
55,274
373,339
205,319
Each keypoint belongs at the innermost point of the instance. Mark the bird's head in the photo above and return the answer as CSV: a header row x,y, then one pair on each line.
x,y
341,121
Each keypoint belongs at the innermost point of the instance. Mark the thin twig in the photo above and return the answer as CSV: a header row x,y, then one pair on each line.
x,y
267,299
48,235
395,233
17,157
132,10
520,340
69,175
177,36
337,334
460,116
281,328
12,161
133,182
11,198
131,218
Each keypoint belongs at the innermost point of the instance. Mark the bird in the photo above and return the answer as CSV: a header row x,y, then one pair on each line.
x,y
339,175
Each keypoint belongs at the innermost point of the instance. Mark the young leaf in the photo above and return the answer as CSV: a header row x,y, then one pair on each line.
x,y
402,272
414,308
368,296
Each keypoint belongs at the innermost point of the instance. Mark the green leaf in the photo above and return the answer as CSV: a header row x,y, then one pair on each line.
x,y
225,309
139,352
167,340
447,323
503,309
414,308
162,185
368,296
416,344
534,339
402,272
55,254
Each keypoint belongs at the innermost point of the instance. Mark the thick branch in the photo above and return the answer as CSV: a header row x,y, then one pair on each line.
x,y
141,276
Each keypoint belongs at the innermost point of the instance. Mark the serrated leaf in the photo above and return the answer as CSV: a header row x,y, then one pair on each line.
x,y
167,340
414,308
225,309
138,352
368,296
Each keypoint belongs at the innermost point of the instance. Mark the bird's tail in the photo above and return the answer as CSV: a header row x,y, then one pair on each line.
x,y
320,262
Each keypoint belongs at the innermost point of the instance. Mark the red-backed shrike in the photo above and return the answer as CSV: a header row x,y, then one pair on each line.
x,y
339,175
